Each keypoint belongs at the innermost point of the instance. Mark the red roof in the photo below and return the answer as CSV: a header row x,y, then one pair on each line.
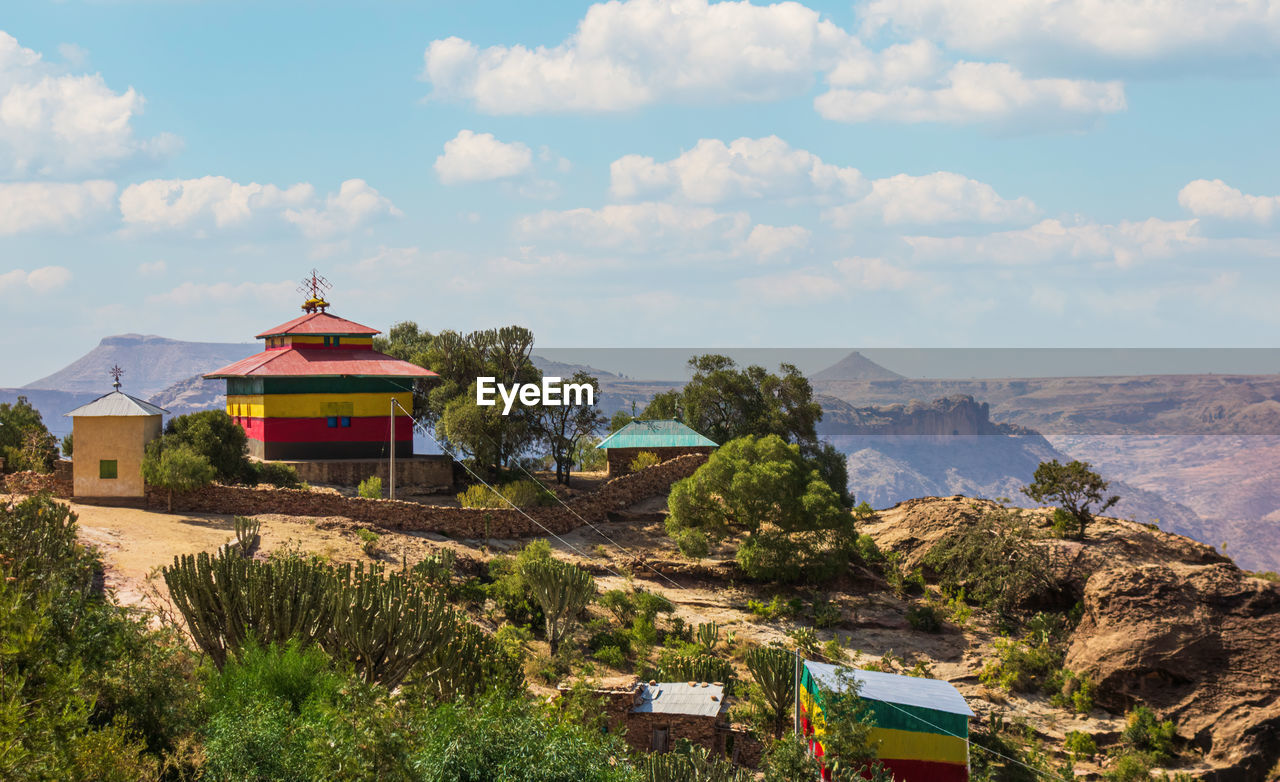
x,y
321,362
320,323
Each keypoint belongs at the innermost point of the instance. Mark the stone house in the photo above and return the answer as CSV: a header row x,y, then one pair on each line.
x,y
665,438
111,435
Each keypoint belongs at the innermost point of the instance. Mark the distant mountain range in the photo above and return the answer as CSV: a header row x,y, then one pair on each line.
x,y
1200,453
150,363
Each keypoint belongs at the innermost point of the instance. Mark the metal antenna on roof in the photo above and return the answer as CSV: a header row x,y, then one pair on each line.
x,y
115,373
314,287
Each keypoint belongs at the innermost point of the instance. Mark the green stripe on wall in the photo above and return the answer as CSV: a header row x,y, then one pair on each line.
x,y
317,385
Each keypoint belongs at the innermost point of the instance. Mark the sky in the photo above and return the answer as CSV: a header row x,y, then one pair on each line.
x,y
641,173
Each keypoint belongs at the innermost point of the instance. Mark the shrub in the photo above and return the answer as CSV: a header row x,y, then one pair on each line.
x,y
522,494
219,439
368,541
370,488
611,656
644,460
1081,745
805,640
924,618
1144,732
1024,664
826,614
776,608
278,474
175,466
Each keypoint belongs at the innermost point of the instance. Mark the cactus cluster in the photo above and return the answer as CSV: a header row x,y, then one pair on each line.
x,y
774,671
563,590
383,623
246,530
708,635
690,763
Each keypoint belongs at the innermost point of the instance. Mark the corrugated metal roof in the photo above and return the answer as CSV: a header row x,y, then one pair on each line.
x,y
655,434
701,699
892,688
323,362
320,323
116,403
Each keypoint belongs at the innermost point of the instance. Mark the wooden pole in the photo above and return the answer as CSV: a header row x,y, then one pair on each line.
x,y
392,469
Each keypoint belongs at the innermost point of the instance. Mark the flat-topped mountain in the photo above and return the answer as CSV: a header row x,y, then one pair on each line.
x,y
150,363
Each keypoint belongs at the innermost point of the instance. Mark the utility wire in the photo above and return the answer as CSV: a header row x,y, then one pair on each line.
x,y
517,508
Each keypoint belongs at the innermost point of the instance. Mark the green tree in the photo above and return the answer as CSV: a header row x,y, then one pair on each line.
x,y
562,590
25,442
174,466
724,402
794,523
219,439
68,445
565,426
1075,487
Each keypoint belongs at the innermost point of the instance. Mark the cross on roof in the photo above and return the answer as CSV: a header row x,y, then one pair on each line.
x,y
314,287
115,373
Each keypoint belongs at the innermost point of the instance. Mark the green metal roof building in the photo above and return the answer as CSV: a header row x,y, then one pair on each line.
x,y
666,438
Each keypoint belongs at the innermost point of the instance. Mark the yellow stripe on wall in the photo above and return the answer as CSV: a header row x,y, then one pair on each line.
x,y
910,745
315,405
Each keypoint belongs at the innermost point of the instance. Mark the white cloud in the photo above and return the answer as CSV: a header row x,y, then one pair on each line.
x,y
633,53
58,124
1119,31
1204,198
479,157
153,268
938,198
767,241
33,206
354,205
215,202
644,227
817,283
713,172
973,92
1124,244
42,280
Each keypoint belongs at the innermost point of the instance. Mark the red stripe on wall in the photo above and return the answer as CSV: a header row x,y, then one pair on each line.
x,y
317,430
926,771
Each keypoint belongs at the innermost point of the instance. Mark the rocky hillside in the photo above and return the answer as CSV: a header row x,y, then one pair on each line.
x,y
1167,622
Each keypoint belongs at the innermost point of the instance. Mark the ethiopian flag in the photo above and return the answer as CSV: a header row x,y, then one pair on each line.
x,y
921,726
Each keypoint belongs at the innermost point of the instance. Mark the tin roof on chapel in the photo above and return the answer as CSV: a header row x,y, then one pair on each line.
x,y
655,434
321,362
116,403
700,699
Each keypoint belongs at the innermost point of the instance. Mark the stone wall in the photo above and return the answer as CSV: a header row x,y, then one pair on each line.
x,y
615,495
429,472
619,459
58,482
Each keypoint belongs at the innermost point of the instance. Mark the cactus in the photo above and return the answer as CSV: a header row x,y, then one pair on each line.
x,y
563,590
689,763
386,622
774,670
709,635
227,598
246,530
696,666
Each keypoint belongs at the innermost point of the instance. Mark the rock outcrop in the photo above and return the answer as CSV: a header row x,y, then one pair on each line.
x,y
1167,621
1200,644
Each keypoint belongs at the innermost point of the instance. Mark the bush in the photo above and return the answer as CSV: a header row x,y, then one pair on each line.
x,y
776,608
174,466
611,656
924,618
370,488
1081,745
522,494
1032,662
826,614
368,541
644,460
1145,733
219,439
278,474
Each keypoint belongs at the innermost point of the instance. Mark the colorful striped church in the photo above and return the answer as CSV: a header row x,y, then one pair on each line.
x,y
320,391
921,725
